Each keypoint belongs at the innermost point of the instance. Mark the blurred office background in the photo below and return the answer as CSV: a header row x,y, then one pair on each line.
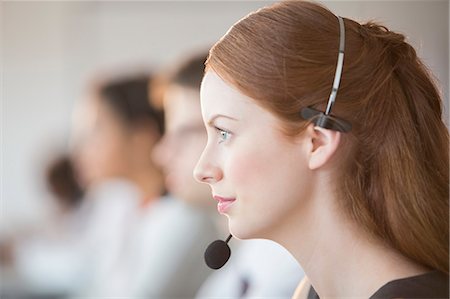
x,y
50,49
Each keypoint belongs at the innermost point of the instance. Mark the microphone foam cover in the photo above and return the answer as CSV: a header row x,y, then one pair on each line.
x,y
217,254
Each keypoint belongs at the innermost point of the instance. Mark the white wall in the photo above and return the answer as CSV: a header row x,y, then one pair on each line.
x,y
49,49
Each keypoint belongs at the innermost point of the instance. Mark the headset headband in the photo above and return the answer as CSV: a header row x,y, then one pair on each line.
x,y
324,119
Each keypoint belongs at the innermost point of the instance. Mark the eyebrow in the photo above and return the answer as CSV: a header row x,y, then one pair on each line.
x,y
219,115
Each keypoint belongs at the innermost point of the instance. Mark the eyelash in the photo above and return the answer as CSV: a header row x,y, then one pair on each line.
x,y
221,133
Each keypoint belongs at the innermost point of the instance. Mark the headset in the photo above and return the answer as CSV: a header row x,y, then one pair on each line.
x,y
325,119
218,252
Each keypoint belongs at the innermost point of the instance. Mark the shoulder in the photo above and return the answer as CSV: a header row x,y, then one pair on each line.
x,y
429,285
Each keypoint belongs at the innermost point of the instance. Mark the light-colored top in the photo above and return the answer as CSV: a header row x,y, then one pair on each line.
x,y
256,269
154,251
122,249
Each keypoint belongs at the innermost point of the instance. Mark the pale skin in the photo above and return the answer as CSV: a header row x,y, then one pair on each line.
x,y
178,150
284,192
105,149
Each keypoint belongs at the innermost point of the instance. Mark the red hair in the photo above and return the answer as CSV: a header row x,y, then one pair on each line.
x,y
394,182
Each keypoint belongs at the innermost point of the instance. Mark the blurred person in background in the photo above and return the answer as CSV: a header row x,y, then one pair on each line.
x,y
62,182
139,242
255,263
41,261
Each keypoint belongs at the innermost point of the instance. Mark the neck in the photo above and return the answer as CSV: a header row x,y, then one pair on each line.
x,y
339,258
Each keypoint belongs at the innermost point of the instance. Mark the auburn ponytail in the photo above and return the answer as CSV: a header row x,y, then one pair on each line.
x,y
394,182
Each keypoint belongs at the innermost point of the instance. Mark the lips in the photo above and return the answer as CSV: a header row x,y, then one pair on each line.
x,y
224,203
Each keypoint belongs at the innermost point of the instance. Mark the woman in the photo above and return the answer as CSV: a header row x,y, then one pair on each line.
x,y
356,191
250,273
134,233
119,131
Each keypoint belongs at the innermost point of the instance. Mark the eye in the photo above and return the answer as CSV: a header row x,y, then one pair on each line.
x,y
223,134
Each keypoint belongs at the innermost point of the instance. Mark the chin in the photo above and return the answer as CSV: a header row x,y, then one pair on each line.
x,y
244,231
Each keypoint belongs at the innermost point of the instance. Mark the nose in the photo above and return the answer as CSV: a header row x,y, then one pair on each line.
x,y
207,171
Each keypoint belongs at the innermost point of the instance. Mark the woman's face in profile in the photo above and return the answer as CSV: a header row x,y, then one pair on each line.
x,y
102,151
258,176
183,141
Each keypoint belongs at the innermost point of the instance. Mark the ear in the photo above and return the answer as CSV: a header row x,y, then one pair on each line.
x,y
322,145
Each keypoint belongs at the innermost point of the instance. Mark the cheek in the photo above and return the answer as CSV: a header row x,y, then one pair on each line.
x,y
265,169
111,154
248,167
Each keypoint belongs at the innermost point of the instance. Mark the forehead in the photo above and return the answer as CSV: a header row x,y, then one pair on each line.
x,y
220,98
182,105
217,96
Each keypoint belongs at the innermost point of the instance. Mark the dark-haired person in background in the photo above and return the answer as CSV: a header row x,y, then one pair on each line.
x,y
254,263
41,261
63,182
139,242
